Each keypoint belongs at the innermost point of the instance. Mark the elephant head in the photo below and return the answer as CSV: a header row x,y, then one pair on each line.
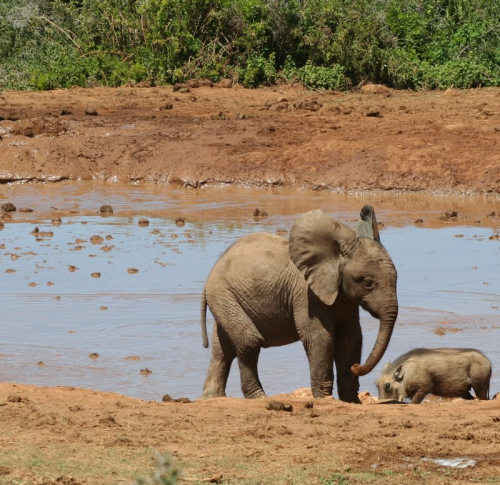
x,y
332,257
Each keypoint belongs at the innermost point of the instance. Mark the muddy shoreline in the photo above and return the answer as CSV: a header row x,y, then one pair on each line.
x,y
442,142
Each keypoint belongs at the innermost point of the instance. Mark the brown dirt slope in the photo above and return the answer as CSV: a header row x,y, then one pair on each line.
x,y
443,141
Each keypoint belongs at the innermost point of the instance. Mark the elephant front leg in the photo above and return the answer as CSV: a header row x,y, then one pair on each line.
x,y
348,343
222,357
250,382
320,355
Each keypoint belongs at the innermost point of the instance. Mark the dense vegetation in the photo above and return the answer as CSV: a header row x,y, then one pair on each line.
x,y
331,44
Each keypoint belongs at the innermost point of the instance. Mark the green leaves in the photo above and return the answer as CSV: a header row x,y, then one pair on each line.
x,y
325,44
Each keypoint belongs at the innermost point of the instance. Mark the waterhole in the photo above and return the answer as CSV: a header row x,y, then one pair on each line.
x,y
103,302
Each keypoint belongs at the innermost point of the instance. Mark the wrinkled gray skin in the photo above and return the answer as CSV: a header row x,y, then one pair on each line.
x,y
445,372
267,291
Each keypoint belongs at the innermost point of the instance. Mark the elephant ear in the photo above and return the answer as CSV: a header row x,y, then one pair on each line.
x,y
316,246
367,226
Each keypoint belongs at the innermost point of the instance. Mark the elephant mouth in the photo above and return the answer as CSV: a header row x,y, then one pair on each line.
x,y
364,305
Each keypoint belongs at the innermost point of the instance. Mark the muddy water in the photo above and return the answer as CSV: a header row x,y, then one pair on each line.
x,y
56,312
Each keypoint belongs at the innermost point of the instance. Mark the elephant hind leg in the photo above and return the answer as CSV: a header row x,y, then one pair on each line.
x,y
250,382
223,354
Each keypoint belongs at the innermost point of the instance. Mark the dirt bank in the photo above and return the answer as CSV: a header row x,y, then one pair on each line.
x,y
443,141
77,436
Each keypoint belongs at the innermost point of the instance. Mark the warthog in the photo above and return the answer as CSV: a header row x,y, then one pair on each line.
x,y
445,372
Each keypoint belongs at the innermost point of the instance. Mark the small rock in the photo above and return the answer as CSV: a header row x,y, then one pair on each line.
x,y
308,105
16,398
279,406
450,213
72,268
25,209
419,221
103,308
96,274
40,362
96,240
132,271
2,225
145,372
374,114
8,207
181,88
180,221
167,398
258,213
225,83
309,404
94,355
65,112
166,106
281,232
143,222
91,112
219,116
376,89
450,92
106,209
56,221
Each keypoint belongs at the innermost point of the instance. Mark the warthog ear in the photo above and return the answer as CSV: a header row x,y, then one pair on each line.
x,y
386,367
398,373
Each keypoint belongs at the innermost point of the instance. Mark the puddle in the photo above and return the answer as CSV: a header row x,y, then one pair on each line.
x,y
56,311
452,462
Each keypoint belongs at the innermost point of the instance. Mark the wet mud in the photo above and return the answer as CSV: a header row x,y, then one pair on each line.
x,y
285,136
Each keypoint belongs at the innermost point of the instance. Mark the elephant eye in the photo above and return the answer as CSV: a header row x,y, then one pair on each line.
x,y
368,282
387,386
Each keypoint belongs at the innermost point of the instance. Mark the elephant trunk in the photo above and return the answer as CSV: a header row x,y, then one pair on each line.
x,y
387,321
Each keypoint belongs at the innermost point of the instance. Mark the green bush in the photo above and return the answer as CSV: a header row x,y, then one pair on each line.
x,y
258,71
325,44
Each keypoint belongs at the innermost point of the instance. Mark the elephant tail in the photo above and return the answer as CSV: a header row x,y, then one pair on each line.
x,y
204,318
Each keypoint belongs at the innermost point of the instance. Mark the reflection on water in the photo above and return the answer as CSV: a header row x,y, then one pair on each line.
x,y
53,318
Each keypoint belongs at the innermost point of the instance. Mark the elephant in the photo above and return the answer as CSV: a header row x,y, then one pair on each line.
x,y
267,291
446,372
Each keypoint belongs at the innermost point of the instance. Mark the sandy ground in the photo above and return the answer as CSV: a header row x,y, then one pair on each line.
x,y
437,141
76,436
442,141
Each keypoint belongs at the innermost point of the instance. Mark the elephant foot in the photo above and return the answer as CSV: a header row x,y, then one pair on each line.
x,y
351,399
210,394
322,390
255,395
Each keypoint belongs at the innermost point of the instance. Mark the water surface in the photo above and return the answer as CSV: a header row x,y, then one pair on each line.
x,y
54,318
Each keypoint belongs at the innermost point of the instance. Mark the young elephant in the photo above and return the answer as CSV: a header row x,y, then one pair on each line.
x,y
445,372
267,291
